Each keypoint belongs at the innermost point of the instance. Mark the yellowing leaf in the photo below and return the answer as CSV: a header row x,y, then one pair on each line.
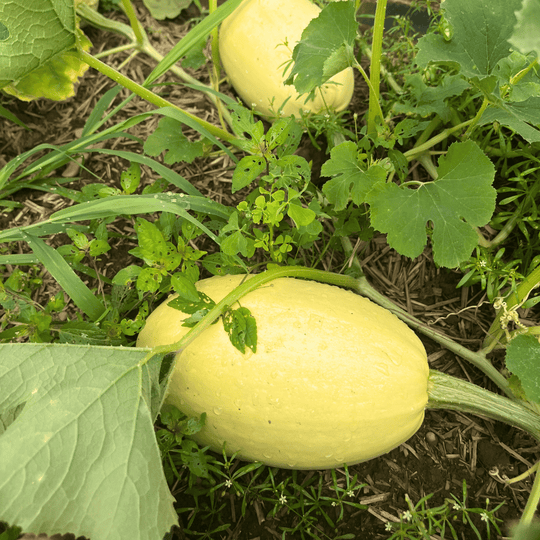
x,y
55,79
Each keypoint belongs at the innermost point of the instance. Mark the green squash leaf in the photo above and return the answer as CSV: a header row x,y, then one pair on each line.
x,y
326,47
81,456
481,30
520,116
526,35
351,181
55,80
523,360
460,199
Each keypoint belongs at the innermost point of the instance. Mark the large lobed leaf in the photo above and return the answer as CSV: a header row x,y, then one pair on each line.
x,y
481,30
38,58
81,457
460,199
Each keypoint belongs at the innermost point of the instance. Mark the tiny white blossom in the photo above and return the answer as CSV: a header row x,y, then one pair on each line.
x,y
456,506
407,516
484,516
388,526
283,499
334,504
482,263
350,493
228,483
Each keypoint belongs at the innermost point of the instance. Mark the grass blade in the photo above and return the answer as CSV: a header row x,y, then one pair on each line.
x,y
192,38
173,177
70,282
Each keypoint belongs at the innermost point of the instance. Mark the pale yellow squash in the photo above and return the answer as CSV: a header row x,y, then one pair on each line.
x,y
336,378
256,44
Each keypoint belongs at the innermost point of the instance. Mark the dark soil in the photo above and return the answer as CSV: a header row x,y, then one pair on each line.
x,y
447,451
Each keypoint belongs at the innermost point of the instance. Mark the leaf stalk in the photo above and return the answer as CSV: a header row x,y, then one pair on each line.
x,y
156,100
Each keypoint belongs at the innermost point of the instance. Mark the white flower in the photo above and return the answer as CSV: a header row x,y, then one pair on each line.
x,y
388,526
350,493
283,499
407,516
228,483
484,516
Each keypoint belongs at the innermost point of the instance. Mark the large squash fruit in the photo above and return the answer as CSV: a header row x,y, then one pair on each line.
x,y
335,379
253,52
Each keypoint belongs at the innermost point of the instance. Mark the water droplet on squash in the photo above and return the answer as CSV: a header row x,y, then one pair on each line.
x,y
218,410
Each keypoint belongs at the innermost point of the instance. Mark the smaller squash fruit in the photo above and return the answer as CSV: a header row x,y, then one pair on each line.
x,y
336,378
256,43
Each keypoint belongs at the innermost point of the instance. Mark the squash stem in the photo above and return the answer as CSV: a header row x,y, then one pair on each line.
x,y
246,287
478,359
448,392
532,502
156,100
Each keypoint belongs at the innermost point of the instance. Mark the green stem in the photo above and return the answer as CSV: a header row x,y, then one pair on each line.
x,y
384,72
477,117
532,502
246,287
523,290
477,359
144,46
509,226
426,134
140,35
375,68
516,78
156,100
447,392
372,89
116,50
425,161
413,152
